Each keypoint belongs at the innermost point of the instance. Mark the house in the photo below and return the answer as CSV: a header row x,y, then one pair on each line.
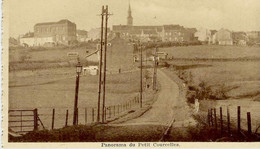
x,y
27,40
224,37
254,37
190,34
119,54
240,38
203,35
61,32
172,33
82,36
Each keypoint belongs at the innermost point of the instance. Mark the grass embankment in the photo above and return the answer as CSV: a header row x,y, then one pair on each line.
x,y
218,79
204,133
201,131
217,83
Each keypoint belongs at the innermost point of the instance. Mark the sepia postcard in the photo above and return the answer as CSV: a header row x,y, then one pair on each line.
x,y
131,74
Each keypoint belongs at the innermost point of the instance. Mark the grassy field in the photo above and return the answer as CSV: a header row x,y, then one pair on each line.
x,y
44,78
228,83
55,88
21,58
239,79
212,51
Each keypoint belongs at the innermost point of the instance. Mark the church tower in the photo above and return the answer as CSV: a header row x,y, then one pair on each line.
x,y
129,17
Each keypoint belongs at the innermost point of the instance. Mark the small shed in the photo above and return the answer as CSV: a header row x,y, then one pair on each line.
x,y
162,55
92,70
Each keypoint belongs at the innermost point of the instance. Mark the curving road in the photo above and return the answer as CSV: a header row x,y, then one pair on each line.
x,y
166,108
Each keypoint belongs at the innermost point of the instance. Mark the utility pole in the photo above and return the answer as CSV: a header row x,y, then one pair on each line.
x,y
141,76
75,114
105,62
100,65
155,69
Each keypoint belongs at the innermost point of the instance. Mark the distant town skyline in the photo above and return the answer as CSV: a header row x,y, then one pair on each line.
x,y
237,15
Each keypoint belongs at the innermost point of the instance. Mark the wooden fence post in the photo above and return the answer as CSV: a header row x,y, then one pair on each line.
x,y
208,118
77,120
114,107
53,114
35,119
105,113
109,111
238,119
66,120
228,121
211,117
221,121
216,122
86,116
118,109
93,115
249,129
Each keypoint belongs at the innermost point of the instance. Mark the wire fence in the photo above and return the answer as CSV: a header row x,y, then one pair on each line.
x,y
227,125
54,118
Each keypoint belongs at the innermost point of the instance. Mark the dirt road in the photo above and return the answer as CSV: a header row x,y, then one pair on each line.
x,y
168,106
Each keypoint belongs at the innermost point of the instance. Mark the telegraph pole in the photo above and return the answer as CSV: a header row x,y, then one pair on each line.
x,y
141,76
100,65
155,69
105,62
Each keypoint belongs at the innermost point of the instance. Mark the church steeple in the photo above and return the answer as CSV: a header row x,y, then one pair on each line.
x,y
129,17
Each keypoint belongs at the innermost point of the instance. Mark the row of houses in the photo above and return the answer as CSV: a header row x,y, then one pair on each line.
x,y
65,32
177,33
227,37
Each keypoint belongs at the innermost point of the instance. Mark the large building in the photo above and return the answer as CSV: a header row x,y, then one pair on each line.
x,y
177,33
173,33
61,32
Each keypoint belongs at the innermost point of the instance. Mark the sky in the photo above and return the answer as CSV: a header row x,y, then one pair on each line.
x,y
236,15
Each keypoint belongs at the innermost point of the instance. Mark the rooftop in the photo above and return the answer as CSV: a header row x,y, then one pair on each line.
x,y
64,21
